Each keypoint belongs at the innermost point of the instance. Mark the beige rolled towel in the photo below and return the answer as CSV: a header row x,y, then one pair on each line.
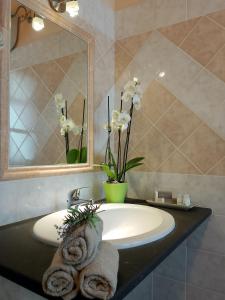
x,y
99,279
60,280
79,248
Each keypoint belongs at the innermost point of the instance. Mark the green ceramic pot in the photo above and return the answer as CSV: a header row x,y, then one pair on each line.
x,y
115,192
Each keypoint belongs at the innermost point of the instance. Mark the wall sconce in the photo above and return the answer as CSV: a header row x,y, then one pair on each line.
x,y
38,23
61,6
23,14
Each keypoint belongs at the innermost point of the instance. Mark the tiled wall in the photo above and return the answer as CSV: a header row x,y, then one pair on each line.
x,y
176,49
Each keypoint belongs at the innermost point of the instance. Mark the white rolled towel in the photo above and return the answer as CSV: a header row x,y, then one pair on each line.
x,y
99,279
60,280
79,248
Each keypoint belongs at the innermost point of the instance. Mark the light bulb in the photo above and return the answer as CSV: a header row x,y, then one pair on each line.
x,y
162,74
72,7
38,23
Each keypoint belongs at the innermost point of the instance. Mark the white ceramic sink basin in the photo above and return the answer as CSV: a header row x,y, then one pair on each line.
x,y
125,225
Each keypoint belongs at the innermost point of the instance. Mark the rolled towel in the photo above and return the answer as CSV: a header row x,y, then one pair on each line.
x,y
79,248
99,279
60,280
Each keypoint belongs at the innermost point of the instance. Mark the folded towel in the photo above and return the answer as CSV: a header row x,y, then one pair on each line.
x,y
60,280
79,248
99,279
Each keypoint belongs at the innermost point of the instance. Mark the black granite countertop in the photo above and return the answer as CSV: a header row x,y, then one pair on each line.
x,y
23,259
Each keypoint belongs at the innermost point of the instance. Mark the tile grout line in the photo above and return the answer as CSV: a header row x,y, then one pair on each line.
x,y
67,76
190,32
214,21
178,147
216,164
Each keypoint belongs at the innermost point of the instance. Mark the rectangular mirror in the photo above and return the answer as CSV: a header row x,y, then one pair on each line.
x,y
49,95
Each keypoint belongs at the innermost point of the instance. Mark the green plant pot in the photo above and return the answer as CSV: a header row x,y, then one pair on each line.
x,y
115,192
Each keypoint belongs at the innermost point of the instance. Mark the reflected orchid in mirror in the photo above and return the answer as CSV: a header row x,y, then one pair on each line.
x,y
67,125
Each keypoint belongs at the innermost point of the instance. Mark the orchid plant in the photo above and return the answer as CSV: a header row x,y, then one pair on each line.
x,y
67,125
116,167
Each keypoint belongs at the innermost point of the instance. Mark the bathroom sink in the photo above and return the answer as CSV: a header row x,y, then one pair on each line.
x,y
125,225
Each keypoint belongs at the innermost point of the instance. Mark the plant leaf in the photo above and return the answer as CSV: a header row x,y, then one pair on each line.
x,y
134,162
108,172
114,164
83,155
72,156
134,165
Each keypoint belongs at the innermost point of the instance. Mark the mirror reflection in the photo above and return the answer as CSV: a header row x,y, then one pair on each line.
x,y
48,92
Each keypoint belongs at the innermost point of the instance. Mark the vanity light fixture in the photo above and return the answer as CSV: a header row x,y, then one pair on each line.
x,y
23,14
69,6
72,7
38,23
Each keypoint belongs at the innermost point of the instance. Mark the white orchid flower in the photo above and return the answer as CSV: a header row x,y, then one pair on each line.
x,y
60,102
130,90
115,115
127,96
67,125
62,131
130,85
120,120
137,101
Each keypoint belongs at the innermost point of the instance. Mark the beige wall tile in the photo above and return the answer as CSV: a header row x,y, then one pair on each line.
x,y
203,7
156,100
155,148
53,149
177,163
178,123
218,169
218,17
140,126
204,41
205,98
134,43
122,59
103,81
176,33
204,148
50,73
217,65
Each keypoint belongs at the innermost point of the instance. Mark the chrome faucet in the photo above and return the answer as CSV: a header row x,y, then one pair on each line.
x,y
74,198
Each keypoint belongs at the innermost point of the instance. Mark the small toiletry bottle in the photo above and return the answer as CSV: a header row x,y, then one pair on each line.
x,y
156,195
186,200
179,199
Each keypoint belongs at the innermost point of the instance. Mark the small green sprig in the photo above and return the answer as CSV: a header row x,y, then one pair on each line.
x,y
77,217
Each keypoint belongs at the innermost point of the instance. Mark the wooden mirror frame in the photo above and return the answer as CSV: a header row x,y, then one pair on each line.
x,y
10,173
